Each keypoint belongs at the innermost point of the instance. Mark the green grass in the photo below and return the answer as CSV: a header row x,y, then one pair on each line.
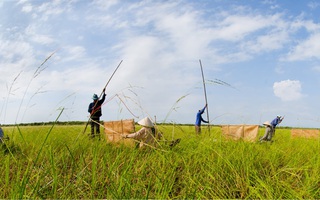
x,y
62,163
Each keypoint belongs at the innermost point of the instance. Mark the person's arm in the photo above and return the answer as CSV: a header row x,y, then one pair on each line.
x,y
204,120
103,97
90,108
202,110
104,94
281,119
137,135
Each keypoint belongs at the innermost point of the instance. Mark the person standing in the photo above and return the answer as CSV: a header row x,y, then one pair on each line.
x,y
1,135
95,113
199,119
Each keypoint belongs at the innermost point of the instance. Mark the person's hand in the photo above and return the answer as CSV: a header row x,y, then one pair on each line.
x,y
104,90
124,136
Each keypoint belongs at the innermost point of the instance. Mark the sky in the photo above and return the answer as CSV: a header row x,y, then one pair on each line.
x,y
260,59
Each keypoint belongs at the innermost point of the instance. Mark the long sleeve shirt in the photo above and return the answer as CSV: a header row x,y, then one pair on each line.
x,y
1,133
275,122
145,136
199,118
95,107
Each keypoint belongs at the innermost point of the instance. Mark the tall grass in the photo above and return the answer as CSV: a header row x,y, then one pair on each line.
x,y
200,166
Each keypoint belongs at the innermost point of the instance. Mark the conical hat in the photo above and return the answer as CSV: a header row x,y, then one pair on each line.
x,y
267,123
146,122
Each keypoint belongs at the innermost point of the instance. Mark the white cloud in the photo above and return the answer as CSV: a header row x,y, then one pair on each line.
x,y
75,53
316,68
307,49
313,5
27,8
104,5
288,90
160,43
236,27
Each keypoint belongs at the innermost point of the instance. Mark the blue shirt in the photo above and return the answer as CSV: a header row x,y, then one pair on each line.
x,y
275,122
1,133
95,107
199,118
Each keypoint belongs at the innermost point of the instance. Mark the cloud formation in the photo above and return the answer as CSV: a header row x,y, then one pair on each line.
x,y
288,90
161,43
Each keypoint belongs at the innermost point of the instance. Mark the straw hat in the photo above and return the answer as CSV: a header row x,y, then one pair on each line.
x,y
267,123
146,122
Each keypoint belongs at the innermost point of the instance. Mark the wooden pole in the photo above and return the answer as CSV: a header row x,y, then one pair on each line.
x,y
205,94
101,94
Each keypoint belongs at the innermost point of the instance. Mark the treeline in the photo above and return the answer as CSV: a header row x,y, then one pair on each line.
x,y
48,123
159,124
78,123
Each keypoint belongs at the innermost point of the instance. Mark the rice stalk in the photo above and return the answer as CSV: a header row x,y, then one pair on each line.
x,y
10,90
35,74
174,107
26,176
220,82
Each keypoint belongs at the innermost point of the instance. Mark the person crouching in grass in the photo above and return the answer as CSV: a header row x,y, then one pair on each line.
x,y
147,135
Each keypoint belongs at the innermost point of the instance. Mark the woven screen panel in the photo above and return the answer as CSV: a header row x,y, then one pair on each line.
x,y
238,132
114,130
305,133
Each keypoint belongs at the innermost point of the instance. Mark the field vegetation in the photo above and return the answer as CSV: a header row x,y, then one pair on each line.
x,y
60,162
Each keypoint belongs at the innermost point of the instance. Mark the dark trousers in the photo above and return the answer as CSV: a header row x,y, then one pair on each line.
x,y
95,127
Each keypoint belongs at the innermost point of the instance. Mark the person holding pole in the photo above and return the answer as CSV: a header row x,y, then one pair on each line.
x,y
199,119
103,91
274,123
95,113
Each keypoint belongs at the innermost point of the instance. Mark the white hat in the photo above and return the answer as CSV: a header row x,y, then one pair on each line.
x,y
267,123
146,122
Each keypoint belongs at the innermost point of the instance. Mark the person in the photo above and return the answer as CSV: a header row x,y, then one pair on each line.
x,y
199,119
1,135
268,132
271,128
147,135
95,113
274,123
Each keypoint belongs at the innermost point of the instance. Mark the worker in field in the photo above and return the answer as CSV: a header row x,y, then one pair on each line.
x,y
275,122
268,132
1,135
199,119
271,128
147,135
95,113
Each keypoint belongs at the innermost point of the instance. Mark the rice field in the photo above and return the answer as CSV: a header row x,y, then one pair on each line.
x,y
60,162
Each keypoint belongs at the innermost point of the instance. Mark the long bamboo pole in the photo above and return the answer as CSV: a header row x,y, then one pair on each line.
x,y
205,94
102,93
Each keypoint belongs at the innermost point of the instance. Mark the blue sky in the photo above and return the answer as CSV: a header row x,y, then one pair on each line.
x,y
268,51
